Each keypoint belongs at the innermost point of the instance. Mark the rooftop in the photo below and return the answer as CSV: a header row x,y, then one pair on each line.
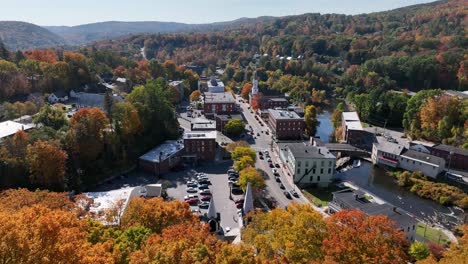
x,y
351,116
200,135
283,114
225,97
452,149
9,128
229,117
355,199
213,82
423,157
278,99
389,147
167,149
303,150
175,83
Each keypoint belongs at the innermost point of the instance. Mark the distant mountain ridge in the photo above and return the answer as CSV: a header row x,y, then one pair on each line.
x,y
18,35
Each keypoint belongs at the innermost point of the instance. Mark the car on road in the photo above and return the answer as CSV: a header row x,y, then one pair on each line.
x,y
203,187
239,205
261,157
274,170
266,132
269,159
266,152
278,179
204,205
294,193
191,190
204,192
192,201
287,194
281,185
276,174
271,165
277,165
205,198
258,134
241,200
260,153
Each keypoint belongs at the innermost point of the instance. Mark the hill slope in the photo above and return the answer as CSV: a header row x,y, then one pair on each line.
x,y
22,36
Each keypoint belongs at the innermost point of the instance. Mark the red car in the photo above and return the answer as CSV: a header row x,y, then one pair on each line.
x,y
192,201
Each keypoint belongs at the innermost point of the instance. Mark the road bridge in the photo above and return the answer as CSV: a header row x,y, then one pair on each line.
x,y
342,149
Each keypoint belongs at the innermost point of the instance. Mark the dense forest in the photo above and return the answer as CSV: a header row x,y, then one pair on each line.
x,y
46,227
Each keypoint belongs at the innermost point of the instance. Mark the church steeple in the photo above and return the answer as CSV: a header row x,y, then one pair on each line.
x,y
255,83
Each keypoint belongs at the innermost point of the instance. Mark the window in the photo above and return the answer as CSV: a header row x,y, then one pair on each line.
x,y
330,163
298,163
311,178
323,163
318,178
329,170
313,171
321,171
413,227
307,164
298,171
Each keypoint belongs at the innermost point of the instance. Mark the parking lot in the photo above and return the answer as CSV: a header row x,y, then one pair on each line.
x,y
219,187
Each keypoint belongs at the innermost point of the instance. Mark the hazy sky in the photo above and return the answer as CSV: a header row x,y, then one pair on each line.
x,y
75,12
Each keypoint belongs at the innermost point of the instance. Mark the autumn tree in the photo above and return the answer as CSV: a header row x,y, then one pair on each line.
x,y
232,146
438,116
195,96
252,175
277,234
47,164
156,214
311,121
86,134
256,102
234,127
246,90
354,237
51,116
174,94
126,120
244,162
240,152
336,115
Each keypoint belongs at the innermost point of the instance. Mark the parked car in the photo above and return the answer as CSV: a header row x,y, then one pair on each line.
x,y
204,181
190,196
261,157
266,132
260,153
266,152
281,185
205,198
287,194
203,187
278,179
294,193
233,182
237,191
271,165
232,178
204,205
276,174
191,190
241,200
269,159
192,201
192,184
231,171
199,178
277,165
239,205
204,192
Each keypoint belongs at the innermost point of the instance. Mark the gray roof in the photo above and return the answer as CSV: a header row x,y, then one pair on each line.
x,y
349,198
284,115
453,149
303,150
278,99
167,149
200,135
423,157
229,117
225,97
389,147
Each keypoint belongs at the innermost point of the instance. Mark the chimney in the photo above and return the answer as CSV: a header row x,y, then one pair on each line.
x,y
319,151
395,209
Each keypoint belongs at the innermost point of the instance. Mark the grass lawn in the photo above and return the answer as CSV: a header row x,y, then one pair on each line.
x,y
320,196
432,234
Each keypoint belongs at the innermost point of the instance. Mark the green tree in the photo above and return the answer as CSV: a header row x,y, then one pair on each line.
x,y
234,127
419,250
51,116
311,121
240,152
336,115
250,174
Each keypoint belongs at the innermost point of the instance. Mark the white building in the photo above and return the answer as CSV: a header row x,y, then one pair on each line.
x,y
397,156
9,128
57,97
215,85
308,164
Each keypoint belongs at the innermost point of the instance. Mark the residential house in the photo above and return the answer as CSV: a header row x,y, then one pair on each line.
x,y
9,128
57,97
355,199
308,164
286,124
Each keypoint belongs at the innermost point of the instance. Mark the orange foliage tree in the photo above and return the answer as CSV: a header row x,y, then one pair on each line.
x,y
246,90
47,164
47,55
156,214
256,102
354,237
438,115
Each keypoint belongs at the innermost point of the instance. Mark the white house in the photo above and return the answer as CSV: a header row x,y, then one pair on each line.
x,y
308,164
413,159
9,128
57,97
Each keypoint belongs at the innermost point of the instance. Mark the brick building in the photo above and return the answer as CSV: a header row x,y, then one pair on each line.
x,y
200,146
162,158
273,103
219,103
285,124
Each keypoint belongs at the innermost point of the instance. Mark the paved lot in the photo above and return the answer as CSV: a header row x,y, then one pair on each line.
x,y
219,188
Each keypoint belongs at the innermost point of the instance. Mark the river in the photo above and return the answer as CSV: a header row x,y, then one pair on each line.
x,y
376,181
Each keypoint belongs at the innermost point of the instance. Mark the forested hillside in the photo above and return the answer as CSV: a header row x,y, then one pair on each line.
x,y
21,36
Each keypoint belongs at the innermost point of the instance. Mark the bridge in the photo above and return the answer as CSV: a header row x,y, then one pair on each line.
x,y
341,149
